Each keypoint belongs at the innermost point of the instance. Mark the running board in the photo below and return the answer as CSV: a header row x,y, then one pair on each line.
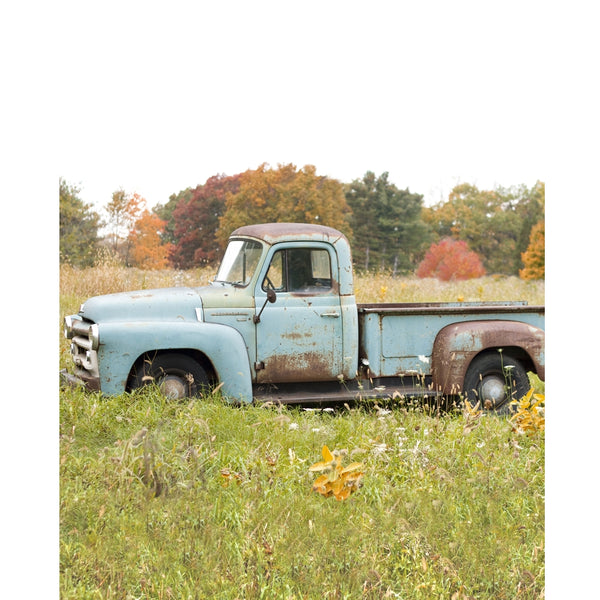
x,y
295,394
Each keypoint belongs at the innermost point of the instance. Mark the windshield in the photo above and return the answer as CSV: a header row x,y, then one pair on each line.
x,y
240,261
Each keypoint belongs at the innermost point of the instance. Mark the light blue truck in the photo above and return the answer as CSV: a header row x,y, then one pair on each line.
x,y
280,323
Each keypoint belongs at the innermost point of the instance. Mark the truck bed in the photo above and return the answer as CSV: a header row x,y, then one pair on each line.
x,y
398,338
477,308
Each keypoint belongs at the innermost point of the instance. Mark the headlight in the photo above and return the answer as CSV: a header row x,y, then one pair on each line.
x,y
94,337
68,328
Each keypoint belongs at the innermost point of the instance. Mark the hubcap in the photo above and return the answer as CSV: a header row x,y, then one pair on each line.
x,y
173,387
493,389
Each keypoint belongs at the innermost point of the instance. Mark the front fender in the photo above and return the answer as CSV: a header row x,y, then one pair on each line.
x,y
122,343
457,344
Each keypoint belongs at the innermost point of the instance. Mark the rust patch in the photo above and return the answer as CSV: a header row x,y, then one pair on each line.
x,y
302,366
297,336
292,336
456,345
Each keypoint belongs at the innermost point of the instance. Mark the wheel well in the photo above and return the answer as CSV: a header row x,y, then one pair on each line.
x,y
196,355
514,352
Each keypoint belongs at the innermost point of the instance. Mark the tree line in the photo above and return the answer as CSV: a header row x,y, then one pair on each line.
x,y
389,228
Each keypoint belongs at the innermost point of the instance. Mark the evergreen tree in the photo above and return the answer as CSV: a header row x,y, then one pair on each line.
x,y
388,230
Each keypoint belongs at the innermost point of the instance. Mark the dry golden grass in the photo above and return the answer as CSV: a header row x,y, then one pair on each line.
x,y
385,288
78,284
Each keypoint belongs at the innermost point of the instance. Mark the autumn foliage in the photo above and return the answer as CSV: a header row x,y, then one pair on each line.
x,y
450,260
534,257
196,219
268,195
388,227
147,249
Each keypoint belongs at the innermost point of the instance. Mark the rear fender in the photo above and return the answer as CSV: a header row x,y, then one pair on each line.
x,y
121,344
456,345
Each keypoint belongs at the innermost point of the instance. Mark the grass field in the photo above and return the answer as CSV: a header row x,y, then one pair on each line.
x,y
205,500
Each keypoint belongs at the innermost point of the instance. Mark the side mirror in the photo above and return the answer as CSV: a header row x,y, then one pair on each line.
x,y
271,297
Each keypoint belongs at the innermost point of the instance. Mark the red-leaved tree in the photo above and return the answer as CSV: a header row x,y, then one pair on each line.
x,y
450,259
197,220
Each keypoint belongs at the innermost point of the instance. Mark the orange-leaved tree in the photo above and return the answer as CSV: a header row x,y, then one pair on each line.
x,y
147,248
123,211
450,259
534,258
285,194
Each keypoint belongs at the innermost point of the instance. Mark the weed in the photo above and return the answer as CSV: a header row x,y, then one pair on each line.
x,y
530,413
336,480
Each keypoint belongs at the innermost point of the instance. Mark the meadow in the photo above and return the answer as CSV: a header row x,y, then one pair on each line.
x,y
201,499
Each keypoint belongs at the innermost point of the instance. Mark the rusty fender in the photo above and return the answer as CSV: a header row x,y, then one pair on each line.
x,y
456,345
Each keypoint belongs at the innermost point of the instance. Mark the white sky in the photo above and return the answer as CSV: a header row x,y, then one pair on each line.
x,y
160,97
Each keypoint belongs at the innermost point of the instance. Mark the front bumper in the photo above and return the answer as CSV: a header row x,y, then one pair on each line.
x,y
82,379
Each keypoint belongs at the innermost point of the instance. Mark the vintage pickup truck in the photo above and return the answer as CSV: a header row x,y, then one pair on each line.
x,y
280,323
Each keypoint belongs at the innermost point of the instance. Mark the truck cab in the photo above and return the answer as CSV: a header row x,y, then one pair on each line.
x,y
299,334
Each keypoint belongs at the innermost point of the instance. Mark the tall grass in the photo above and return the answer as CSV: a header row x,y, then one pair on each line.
x,y
162,500
146,511
106,278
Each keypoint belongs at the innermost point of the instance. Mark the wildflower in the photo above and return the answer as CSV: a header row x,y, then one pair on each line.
x,y
336,480
529,417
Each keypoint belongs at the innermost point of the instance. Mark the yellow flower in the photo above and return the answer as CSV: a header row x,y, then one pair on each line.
x,y
336,480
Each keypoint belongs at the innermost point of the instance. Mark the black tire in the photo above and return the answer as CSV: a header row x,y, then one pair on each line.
x,y
494,380
177,375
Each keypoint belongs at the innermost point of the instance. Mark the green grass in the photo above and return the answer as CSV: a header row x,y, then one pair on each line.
x,y
443,512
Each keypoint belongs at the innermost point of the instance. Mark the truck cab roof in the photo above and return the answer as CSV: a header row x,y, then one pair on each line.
x,y
272,233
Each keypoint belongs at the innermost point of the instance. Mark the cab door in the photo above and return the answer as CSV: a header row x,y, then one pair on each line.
x,y
299,336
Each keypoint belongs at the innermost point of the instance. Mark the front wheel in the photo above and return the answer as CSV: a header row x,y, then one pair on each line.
x,y
177,375
495,380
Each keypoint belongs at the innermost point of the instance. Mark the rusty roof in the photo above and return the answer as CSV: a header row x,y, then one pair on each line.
x,y
278,232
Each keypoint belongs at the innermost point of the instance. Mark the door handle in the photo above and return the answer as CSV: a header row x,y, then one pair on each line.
x,y
334,314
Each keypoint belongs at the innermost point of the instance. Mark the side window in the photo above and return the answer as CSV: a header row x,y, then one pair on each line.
x,y
299,270
275,278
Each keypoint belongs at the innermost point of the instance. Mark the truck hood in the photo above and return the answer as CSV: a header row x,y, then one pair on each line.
x,y
165,304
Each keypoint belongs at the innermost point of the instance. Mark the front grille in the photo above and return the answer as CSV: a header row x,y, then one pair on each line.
x,y
84,344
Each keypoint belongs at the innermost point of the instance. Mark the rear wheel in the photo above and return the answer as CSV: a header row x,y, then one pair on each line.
x,y
177,375
495,380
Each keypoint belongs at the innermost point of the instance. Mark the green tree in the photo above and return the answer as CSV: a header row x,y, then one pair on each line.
x,y
531,210
388,229
166,213
495,224
285,194
78,227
